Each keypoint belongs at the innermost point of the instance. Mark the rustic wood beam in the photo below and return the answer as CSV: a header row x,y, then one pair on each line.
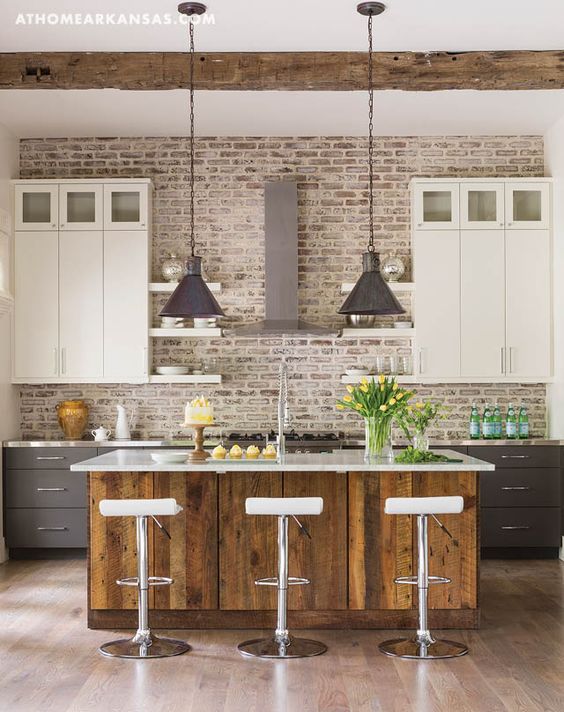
x,y
288,71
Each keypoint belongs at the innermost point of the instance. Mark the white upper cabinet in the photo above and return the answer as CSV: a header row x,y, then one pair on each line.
x,y
527,205
36,305
81,207
126,305
482,303
437,276
81,304
36,207
481,206
81,282
126,206
528,304
436,206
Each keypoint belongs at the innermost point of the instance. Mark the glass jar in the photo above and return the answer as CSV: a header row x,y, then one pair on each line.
x,y
173,268
421,441
392,268
378,439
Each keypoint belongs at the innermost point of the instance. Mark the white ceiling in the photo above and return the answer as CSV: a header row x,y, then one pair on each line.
x,y
307,25
254,25
109,112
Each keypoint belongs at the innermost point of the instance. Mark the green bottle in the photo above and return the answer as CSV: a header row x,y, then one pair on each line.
x,y
488,423
497,424
523,422
511,423
474,423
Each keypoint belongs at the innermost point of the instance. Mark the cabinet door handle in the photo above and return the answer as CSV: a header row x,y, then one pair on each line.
x,y
50,457
52,529
51,489
521,489
515,457
511,359
63,360
146,360
502,364
421,360
55,361
516,528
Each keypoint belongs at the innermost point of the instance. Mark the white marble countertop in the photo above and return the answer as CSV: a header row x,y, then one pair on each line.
x,y
128,460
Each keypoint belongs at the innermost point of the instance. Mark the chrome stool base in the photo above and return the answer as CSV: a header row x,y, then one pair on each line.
x,y
413,649
272,648
130,648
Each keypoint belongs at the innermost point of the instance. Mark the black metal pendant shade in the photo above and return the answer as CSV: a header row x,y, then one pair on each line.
x,y
192,298
371,294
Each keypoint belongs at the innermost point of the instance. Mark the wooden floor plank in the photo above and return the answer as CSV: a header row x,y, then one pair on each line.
x,y
48,658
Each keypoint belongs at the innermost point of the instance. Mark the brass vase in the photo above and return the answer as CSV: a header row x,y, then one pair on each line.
x,y
73,418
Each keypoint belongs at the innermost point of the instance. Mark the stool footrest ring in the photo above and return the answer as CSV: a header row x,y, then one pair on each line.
x,y
153,581
292,581
412,580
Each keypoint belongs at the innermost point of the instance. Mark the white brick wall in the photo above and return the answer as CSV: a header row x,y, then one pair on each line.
x,y
332,182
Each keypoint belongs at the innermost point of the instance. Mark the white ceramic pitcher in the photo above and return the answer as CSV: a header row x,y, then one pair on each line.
x,y
122,431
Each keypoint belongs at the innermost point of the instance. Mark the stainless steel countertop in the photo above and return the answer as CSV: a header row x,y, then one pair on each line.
x,y
349,442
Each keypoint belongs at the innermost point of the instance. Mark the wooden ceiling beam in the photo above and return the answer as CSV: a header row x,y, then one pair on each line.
x,y
284,71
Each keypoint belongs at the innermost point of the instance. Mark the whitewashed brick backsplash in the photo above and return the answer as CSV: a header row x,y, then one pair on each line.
x,y
332,183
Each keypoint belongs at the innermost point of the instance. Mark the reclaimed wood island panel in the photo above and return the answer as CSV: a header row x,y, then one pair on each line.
x,y
217,551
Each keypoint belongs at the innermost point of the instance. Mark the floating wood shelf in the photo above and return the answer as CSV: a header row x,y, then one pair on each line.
x,y
347,287
378,333
186,333
169,287
205,378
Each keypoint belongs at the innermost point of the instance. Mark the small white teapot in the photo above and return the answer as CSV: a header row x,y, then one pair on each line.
x,y
101,433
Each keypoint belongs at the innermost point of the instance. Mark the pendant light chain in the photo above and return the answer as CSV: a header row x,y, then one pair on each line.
x,y
192,236
370,141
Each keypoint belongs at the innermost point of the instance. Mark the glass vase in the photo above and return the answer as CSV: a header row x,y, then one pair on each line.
x,y
378,439
421,441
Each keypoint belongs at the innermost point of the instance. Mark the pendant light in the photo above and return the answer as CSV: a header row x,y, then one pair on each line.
x,y
192,297
371,294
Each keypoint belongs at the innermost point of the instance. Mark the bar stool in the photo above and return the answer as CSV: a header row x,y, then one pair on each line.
x,y
143,644
423,646
282,644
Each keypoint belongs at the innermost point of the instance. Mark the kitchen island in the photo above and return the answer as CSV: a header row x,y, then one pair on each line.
x,y
216,551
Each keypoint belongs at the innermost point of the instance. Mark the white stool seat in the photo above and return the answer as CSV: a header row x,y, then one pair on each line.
x,y
424,505
284,506
139,507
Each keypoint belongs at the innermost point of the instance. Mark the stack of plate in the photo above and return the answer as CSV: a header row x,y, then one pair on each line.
x,y
172,370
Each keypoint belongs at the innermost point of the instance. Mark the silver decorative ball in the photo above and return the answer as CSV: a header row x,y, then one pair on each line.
x,y
173,268
393,268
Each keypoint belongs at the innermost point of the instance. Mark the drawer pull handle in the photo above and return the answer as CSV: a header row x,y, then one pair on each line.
x,y
50,457
516,488
51,489
515,457
515,528
52,529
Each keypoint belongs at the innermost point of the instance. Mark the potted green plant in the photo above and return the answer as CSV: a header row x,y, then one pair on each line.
x,y
379,402
415,419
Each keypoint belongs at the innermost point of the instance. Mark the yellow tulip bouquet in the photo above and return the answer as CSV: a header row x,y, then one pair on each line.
x,y
379,402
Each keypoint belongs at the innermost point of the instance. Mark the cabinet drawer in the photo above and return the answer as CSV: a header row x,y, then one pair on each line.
x,y
521,487
57,458
519,526
44,528
503,456
45,488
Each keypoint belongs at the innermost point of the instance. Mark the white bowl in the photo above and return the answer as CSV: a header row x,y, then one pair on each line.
x,y
172,370
170,456
403,324
357,371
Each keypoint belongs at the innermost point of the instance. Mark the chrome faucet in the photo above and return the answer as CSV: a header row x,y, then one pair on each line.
x,y
283,410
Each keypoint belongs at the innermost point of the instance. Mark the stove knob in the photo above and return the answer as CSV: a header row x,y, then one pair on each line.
x,y
298,452
307,452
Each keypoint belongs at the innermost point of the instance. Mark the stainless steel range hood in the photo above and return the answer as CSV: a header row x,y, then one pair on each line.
x,y
281,267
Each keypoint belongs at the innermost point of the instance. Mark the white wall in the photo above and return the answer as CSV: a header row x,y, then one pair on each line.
x,y
9,414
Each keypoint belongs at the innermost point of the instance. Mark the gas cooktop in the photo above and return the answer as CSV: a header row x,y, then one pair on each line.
x,y
291,436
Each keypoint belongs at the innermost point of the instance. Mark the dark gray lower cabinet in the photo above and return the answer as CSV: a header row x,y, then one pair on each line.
x,y
520,501
45,503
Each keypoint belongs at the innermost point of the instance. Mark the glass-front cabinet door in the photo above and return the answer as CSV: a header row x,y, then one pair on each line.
x,y
527,205
481,206
125,206
36,207
81,207
436,206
